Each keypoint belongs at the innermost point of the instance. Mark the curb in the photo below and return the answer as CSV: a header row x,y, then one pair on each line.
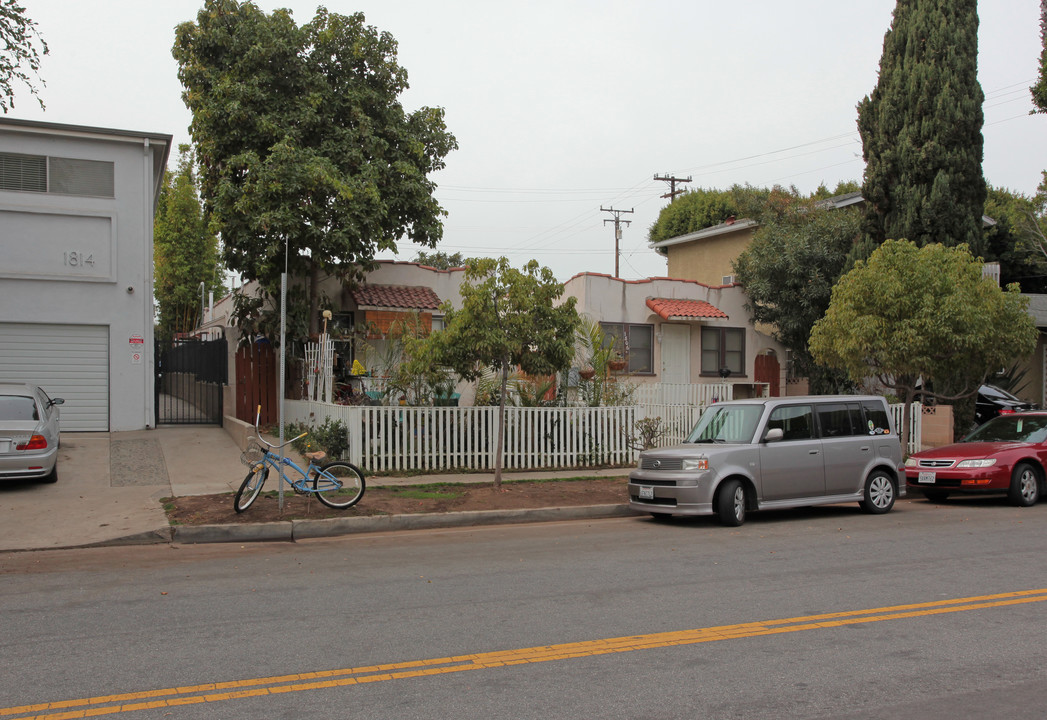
x,y
293,530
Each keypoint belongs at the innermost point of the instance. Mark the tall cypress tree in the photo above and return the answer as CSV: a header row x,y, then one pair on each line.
x,y
921,129
1039,90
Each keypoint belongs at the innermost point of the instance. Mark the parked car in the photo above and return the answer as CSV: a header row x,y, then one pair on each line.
x,y
29,433
1005,455
774,453
993,401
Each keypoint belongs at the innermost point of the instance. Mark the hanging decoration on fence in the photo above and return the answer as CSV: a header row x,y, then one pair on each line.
x,y
319,366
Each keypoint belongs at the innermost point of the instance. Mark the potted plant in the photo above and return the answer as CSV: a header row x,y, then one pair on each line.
x,y
616,363
587,372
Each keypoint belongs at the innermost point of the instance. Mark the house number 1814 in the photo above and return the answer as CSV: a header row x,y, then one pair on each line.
x,y
74,258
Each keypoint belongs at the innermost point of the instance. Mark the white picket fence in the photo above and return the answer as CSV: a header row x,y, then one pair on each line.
x,y
915,424
397,438
682,393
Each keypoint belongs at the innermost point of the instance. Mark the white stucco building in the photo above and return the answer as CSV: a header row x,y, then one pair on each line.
x,y
76,267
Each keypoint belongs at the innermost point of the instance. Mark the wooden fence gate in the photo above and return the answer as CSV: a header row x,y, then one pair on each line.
x,y
256,368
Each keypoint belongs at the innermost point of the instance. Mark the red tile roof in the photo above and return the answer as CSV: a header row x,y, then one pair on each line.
x,y
672,309
397,296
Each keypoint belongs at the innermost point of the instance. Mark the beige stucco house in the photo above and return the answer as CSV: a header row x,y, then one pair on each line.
x,y
707,255
682,331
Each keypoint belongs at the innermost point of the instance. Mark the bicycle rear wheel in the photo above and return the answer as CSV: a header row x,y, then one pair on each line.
x,y
339,485
250,487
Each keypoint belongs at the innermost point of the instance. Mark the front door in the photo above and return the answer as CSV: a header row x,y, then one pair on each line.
x,y
676,353
767,370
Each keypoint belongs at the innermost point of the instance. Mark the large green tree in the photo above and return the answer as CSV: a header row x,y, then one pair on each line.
x,y
1015,239
1039,90
921,128
788,272
510,318
303,143
21,47
692,211
909,315
185,250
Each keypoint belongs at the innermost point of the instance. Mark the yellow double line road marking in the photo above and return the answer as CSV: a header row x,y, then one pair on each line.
x,y
236,689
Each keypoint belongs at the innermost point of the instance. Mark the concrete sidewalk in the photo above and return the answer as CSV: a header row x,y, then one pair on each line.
x,y
110,485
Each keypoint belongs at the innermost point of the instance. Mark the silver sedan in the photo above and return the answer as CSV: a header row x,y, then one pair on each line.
x,y
29,433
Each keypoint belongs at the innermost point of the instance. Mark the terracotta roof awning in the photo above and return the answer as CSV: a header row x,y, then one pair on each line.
x,y
411,297
673,309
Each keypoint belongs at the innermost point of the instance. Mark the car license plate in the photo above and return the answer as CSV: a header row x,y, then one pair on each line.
x,y
5,446
926,476
646,493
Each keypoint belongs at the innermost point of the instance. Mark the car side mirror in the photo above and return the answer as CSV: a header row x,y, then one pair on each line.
x,y
56,401
773,435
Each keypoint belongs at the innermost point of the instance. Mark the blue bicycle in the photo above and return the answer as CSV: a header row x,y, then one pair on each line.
x,y
338,484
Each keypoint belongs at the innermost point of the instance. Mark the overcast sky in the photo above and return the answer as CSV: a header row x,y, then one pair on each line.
x,y
561,108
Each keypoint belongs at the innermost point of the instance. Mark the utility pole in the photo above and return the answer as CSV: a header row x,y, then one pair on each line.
x,y
618,222
673,192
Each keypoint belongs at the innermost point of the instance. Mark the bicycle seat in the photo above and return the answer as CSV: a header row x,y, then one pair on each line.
x,y
316,456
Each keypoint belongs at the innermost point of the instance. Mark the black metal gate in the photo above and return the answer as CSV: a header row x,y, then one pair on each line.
x,y
191,375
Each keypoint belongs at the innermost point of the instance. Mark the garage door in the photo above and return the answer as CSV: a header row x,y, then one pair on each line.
x,y
68,361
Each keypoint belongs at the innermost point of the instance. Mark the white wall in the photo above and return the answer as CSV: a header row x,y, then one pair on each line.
x,y
39,231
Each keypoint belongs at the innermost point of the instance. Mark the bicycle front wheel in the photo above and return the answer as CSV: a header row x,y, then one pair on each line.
x,y
250,487
339,485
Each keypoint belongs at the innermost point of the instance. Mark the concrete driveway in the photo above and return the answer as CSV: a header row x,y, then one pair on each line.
x,y
109,486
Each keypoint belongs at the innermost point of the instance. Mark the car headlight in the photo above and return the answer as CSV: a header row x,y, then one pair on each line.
x,y
984,462
911,462
696,463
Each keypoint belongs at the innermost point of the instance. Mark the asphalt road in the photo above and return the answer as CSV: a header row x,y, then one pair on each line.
x,y
928,612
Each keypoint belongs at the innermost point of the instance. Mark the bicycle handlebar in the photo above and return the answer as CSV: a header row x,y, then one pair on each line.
x,y
258,434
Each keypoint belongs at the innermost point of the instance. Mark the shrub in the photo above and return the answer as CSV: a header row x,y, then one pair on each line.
x,y
332,437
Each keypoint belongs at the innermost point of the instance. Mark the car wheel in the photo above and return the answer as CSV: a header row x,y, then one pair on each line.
x,y
879,493
1025,485
936,496
730,503
661,517
52,477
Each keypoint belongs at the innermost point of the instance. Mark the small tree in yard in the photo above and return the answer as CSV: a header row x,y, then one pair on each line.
x,y
508,319
909,314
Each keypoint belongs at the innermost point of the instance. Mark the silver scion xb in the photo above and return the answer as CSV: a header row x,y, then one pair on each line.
x,y
772,453
29,433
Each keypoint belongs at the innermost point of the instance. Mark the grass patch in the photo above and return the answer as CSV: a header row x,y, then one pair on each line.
x,y
412,492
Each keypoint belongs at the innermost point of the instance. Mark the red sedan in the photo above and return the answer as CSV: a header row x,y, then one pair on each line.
x,y
1005,455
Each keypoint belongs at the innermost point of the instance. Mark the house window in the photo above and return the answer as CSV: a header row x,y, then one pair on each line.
x,y
723,348
27,173
635,343
91,178
64,176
